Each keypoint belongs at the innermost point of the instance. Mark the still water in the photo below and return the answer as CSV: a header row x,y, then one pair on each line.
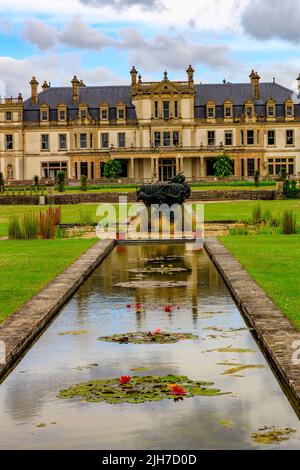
x,y
32,417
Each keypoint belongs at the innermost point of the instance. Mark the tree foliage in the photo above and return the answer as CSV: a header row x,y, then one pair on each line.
x,y
112,169
223,167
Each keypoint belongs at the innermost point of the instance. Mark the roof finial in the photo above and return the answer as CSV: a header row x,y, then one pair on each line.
x,y
165,75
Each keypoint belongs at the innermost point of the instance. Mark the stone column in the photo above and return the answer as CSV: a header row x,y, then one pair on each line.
x,y
89,164
181,164
152,163
202,167
97,169
131,168
156,169
17,169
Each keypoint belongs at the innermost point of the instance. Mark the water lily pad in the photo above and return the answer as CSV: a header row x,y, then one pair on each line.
x,y
139,390
163,269
226,423
230,349
272,435
74,333
141,337
149,284
239,367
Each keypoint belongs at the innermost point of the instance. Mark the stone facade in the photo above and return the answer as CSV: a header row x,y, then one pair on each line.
x,y
156,129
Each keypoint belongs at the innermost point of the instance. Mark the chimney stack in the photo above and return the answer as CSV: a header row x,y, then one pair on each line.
x,y
133,73
34,90
254,77
75,90
190,73
45,86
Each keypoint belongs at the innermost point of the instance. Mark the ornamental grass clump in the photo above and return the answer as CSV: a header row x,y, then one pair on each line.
x,y
48,222
257,216
289,226
14,229
30,226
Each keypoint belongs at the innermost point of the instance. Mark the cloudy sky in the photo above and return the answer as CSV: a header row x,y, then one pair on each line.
x,y
99,40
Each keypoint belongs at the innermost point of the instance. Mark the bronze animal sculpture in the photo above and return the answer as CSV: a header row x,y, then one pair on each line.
x,y
174,191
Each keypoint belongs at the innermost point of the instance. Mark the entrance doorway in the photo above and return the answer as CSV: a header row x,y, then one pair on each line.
x,y
166,169
210,162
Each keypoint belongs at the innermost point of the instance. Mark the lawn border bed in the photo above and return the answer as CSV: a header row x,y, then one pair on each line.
x,y
273,331
21,329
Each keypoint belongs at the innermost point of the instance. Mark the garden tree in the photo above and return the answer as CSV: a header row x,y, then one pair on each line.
x,y
83,182
223,167
36,180
61,178
2,183
112,169
283,174
256,178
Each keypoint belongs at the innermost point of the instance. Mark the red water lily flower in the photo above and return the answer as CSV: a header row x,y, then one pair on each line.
x,y
139,306
177,390
125,379
128,306
168,309
157,331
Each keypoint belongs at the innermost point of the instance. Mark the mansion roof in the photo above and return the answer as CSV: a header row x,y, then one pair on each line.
x,y
93,96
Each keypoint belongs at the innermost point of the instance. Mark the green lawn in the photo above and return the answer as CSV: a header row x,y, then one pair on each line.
x,y
242,210
274,262
27,266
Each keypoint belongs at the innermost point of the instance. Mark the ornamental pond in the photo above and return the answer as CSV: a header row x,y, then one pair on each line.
x,y
167,289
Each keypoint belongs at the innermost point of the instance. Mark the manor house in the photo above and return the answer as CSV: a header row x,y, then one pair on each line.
x,y
155,129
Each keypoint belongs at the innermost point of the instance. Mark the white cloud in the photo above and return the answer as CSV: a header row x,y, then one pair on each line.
x,y
75,33
39,33
215,15
267,19
174,52
59,70
78,34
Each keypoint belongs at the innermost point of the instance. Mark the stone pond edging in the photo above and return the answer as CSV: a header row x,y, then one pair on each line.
x,y
272,329
21,329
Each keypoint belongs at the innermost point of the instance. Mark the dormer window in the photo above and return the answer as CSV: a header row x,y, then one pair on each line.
x,y
62,115
44,114
289,110
104,111
228,111
121,112
83,111
210,110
